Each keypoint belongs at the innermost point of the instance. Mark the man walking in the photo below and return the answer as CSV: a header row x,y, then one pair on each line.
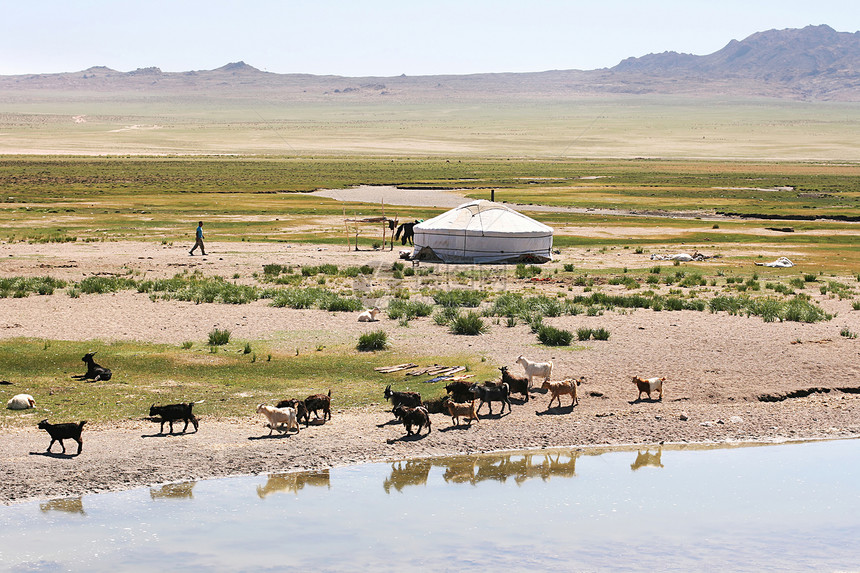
x,y
199,242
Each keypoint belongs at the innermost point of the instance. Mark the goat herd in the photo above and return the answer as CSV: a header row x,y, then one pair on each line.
x,y
407,407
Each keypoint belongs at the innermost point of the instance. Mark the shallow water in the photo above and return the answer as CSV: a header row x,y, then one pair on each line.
x,y
787,507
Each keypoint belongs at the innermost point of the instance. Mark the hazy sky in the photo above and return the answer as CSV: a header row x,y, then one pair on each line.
x,y
385,37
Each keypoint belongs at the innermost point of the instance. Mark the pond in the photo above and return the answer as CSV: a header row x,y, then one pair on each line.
x,y
778,507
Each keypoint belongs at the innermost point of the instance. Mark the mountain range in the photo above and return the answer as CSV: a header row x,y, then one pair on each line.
x,y
813,63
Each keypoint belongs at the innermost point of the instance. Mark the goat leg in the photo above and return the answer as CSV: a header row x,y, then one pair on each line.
x,y
80,445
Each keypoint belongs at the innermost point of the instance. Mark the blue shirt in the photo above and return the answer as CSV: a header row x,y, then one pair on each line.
x,y
199,232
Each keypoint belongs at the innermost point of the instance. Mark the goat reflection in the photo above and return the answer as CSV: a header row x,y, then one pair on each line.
x,y
180,490
409,472
293,482
474,469
66,504
647,459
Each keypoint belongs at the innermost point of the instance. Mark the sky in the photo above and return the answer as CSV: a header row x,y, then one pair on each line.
x,y
385,37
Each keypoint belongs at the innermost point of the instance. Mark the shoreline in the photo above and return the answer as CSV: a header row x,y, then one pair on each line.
x,y
131,454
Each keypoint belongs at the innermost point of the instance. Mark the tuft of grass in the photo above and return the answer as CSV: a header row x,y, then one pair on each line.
x,y
187,345
583,333
372,341
219,337
469,323
600,334
459,297
855,304
846,332
524,271
551,336
247,349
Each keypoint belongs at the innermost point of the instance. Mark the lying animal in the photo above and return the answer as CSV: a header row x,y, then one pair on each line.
x,y
95,372
60,432
649,385
281,419
369,315
461,409
172,413
490,394
319,402
517,384
20,402
413,417
299,407
535,369
557,389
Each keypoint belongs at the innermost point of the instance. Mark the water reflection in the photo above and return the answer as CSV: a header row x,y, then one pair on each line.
x,y
66,505
646,458
182,490
409,472
486,467
294,481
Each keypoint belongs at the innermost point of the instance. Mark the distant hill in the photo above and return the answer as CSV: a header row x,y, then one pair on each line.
x,y
812,63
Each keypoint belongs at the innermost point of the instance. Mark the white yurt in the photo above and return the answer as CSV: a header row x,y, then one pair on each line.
x,y
482,232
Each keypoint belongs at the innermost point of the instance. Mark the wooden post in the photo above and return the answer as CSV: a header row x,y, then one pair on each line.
x,y
346,227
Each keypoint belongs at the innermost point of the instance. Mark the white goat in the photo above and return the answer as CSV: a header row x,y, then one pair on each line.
x,y
535,369
369,315
281,419
21,402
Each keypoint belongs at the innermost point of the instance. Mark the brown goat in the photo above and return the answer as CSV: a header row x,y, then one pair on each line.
x,y
649,385
557,389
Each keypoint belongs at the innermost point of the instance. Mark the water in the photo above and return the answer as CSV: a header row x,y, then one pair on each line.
x,y
788,507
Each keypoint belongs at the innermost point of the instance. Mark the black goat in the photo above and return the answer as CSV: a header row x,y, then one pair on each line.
x,y
490,394
299,407
95,372
172,413
417,416
460,391
408,232
410,399
60,432
517,384
319,402
435,405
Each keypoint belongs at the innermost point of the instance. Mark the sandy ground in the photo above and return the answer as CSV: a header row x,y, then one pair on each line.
x,y
717,368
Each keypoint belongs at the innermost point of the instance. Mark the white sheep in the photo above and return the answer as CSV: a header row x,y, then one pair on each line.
x,y
281,419
535,369
369,315
21,402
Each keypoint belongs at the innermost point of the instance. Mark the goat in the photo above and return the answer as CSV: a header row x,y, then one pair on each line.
x,y
557,389
535,369
174,412
464,409
319,402
20,402
417,416
409,399
490,394
369,315
299,407
460,391
95,372
60,432
435,405
649,385
281,419
408,232
518,385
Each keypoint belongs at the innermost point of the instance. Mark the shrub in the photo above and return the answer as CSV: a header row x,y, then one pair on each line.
x,y
855,304
372,341
336,303
398,308
526,272
446,315
470,324
459,297
219,337
296,297
247,349
583,333
552,336
600,334
568,267
187,345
